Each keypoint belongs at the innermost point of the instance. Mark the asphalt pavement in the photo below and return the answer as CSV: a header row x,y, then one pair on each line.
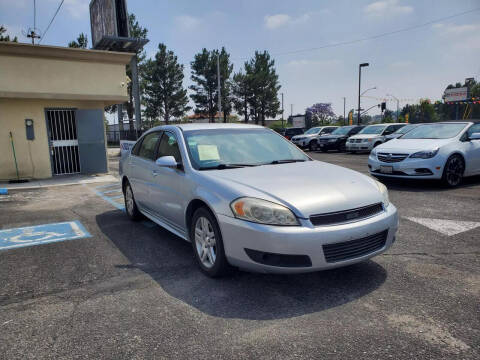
x,y
132,290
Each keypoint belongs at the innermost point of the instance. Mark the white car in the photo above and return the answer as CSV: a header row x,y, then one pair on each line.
x,y
309,138
370,137
447,151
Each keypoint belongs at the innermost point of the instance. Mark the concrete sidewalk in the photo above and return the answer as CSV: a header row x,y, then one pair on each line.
x,y
61,180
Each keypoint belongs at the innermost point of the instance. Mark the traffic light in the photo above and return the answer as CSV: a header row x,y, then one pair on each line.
x,y
383,106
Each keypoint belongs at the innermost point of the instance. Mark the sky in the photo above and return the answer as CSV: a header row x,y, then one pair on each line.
x,y
313,42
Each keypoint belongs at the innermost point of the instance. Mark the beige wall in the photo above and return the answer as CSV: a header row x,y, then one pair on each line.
x,y
33,157
48,78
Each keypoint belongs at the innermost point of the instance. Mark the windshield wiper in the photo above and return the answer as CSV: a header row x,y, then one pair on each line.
x,y
225,166
285,161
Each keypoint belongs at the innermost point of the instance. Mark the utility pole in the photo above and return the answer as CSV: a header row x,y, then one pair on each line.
x,y
359,89
291,109
32,32
344,120
219,87
282,112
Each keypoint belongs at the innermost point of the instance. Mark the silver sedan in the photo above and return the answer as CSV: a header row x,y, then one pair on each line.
x,y
246,197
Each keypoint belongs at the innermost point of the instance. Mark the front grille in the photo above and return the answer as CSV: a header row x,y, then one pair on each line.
x,y
346,215
354,248
391,158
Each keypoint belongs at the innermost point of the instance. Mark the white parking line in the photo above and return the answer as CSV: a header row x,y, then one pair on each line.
x,y
446,227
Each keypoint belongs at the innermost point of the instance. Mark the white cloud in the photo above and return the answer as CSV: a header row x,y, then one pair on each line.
x,y
187,22
401,64
77,9
316,63
278,20
387,7
457,29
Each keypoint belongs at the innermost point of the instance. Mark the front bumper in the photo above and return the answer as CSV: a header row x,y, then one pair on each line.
x,y
306,239
363,146
408,168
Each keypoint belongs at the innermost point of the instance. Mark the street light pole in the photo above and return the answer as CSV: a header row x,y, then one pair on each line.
x,y
344,121
219,87
282,112
359,89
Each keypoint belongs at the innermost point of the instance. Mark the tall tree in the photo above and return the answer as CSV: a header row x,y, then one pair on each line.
x,y
6,37
81,42
320,113
204,76
264,82
164,95
241,90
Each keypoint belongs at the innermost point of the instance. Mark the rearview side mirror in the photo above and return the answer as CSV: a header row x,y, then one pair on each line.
x,y
474,136
166,161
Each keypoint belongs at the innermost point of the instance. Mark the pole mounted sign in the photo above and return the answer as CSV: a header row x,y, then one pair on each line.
x,y
456,94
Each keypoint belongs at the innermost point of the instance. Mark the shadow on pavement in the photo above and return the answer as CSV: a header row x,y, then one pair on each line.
x,y
169,261
422,185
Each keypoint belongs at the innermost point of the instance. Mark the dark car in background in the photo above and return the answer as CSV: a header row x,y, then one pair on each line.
x,y
401,131
337,139
291,132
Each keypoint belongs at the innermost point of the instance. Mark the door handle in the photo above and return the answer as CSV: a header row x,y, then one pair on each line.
x,y
155,172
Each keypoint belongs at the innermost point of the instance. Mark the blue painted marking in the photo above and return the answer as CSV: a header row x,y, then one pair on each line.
x,y
3,191
116,197
112,191
108,186
41,234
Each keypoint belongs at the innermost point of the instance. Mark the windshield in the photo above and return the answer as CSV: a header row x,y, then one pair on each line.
x,y
209,149
435,131
342,130
405,129
373,129
313,131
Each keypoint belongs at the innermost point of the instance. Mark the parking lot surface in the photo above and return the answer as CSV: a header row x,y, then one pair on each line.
x,y
124,290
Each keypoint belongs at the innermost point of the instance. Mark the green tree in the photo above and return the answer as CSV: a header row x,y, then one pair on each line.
x,y
6,37
241,90
263,98
205,87
81,42
164,95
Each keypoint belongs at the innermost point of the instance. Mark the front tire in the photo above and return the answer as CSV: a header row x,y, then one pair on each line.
x,y
130,204
313,145
453,171
207,243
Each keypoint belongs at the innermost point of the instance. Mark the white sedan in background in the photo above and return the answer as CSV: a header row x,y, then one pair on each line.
x,y
447,151
370,137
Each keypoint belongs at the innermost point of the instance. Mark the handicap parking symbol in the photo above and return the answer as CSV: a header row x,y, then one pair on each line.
x,y
41,234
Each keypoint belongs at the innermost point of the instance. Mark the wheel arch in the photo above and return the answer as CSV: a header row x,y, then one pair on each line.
x,y
192,206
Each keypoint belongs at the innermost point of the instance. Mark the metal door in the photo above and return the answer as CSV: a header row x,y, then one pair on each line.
x,y
63,142
91,141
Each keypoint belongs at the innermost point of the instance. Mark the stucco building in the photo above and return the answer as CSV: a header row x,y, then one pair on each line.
x,y
52,102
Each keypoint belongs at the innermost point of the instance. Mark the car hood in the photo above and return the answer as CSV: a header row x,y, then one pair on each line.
x,y
307,188
333,136
304,136
364,136
411,145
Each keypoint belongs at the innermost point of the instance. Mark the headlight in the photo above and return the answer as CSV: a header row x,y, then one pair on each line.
x,y
367,140
263,212
383,189
424,154
373,152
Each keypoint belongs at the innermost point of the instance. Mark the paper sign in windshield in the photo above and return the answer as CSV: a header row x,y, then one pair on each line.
x,y
208,152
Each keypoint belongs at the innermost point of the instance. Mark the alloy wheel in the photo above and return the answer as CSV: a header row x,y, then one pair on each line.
x,y
129,202
454,170
205,242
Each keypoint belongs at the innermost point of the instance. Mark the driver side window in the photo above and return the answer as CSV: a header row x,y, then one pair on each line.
x,y
473,129
169,147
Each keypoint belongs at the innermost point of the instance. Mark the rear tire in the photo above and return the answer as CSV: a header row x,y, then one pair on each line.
x,y
453,171
207,243
130,204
